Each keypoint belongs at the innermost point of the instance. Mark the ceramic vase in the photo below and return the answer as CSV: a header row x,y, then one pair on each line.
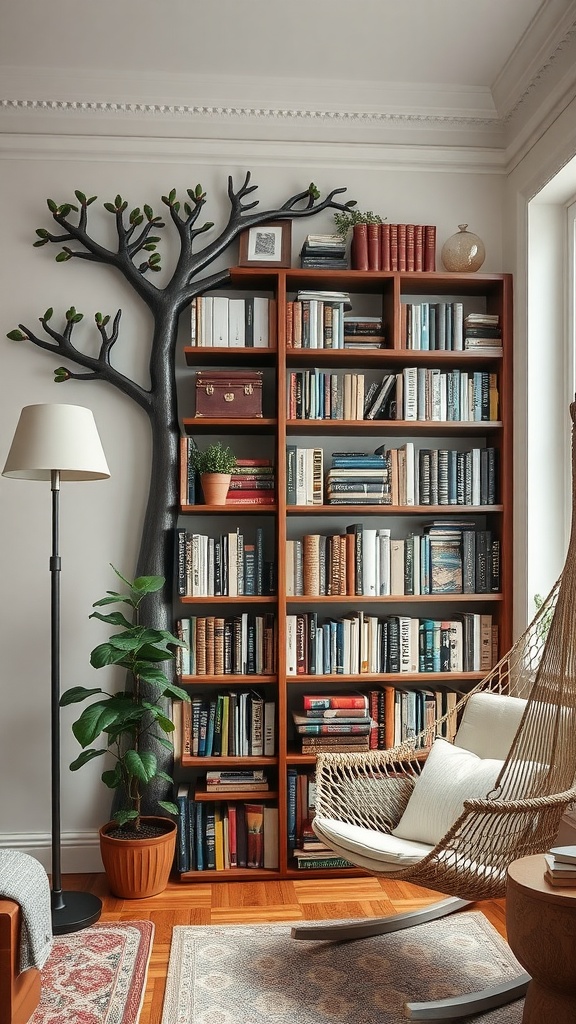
x,y
463,251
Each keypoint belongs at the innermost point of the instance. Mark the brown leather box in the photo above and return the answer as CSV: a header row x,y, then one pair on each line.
x,y
229,393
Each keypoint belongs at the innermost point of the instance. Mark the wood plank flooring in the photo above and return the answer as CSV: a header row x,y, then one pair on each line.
x,y
243,902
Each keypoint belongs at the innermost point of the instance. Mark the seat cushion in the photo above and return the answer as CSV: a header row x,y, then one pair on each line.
x,y
374,851
450,776
489,723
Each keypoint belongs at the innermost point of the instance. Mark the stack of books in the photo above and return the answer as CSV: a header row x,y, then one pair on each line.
x,y
324,252
482,330
358,478
331,723
364,332
252,483
561,866
241,781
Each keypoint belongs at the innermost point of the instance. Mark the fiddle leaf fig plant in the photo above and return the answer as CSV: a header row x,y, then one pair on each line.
x,y
128,719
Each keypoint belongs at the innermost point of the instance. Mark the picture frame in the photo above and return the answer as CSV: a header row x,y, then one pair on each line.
x,y
266,245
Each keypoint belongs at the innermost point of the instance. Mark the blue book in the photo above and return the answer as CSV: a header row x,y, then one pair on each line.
x,y
199,831
210,838
292,782
183,829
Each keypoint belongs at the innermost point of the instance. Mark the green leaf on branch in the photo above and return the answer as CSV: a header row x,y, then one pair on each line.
x,y
52,206
80,196
198,191
61,374
313,190
17,336
63,257
118,202
42,233
110,207
148,212
47,315
41,241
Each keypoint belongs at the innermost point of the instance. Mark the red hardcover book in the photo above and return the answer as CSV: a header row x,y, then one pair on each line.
x,y
401,230
385,246
325,702
410,243
254,462
232,842
373,234
418,247
429,247
290,324
250,498
360,247
393,247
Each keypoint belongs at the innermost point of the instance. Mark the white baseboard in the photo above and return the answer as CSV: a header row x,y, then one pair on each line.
x,y
80,851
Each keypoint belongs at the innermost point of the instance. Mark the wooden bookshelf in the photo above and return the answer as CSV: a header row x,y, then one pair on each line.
x,y
371,292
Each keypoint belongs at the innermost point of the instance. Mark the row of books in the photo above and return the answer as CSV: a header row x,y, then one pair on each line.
x,y
232,724
303,844
442,326
221,322
394,247
444,558
221,835
360,644
315,319
242,644
560,869
226,566
314,394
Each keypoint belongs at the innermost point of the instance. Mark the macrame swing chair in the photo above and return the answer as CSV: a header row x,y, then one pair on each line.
x,y
385,810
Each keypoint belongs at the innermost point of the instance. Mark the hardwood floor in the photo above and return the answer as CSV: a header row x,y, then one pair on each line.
x,y
242,902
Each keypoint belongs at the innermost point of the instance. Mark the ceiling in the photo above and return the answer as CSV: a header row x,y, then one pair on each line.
x,y
466,65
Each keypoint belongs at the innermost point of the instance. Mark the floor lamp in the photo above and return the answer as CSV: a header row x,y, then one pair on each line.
x,y
55,443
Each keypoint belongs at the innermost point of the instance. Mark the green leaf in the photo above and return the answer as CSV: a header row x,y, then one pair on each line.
x,y
63,257
167,806
176,206
176,691
115,619
155,267
84,757
94,721
41,241
110,207
112,777
52,205
104,655
78,318
77,693
118,202
209,224
142,766
61,374
147,584
313,190
122,817
17,336
172,195
42,233
150,246
149,212
198,191
48,314
80,196
91,200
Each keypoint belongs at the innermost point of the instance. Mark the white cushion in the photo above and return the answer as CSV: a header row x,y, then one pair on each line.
x,y
450,776
367,848
489,724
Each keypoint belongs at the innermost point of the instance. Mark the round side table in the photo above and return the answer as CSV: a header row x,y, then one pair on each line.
x,y
541,930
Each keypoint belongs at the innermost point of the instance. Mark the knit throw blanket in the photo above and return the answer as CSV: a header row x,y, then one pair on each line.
x,y
24,880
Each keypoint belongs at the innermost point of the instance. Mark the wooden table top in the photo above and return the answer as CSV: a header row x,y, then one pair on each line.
x,y
527,874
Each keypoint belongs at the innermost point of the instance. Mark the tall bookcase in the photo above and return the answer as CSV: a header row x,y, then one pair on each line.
x,y
385,294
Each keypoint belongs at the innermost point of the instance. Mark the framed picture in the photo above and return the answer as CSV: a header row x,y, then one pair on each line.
x,y
267,245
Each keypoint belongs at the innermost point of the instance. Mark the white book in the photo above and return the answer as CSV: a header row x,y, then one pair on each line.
x,y
301,476
383,577
193,305
220,321
290,645
410,389
233,564
261,325
369,562
396,566
206,320
236,323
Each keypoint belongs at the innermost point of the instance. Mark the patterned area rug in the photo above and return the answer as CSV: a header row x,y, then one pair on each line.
x,y
257,974
96,976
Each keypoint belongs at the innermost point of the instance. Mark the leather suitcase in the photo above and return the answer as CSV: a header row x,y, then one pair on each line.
x,y
229,393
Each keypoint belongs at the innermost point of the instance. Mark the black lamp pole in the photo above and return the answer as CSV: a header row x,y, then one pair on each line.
x,y
71,910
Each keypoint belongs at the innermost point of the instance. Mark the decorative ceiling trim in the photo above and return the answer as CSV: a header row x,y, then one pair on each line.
x,y
245,113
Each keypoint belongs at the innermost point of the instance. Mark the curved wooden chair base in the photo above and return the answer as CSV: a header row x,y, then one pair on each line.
x,y
20,993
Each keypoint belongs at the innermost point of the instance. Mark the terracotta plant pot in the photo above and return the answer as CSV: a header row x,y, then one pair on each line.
x,y
137,868
215,487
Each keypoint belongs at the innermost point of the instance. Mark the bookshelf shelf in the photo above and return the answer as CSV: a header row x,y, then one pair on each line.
x,y
388,296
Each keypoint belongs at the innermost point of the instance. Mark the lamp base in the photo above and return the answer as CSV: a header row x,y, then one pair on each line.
x,y
80,910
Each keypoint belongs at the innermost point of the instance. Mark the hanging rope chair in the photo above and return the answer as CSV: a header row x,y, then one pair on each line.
x,y
385,810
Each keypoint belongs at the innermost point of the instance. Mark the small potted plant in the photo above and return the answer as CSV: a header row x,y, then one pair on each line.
x,y
137,850
214,465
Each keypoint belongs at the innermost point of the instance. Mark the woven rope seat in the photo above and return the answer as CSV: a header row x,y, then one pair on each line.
x,y
515,732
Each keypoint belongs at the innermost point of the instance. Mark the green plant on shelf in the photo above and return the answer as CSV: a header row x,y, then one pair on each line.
x,y
216,458
345,220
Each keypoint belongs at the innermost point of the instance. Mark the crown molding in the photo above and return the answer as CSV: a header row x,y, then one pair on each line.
x,y
253,153
543,41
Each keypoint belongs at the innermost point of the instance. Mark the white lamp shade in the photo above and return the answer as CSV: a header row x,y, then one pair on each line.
x,y
56,437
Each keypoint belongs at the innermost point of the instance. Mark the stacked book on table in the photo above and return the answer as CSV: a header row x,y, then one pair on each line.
x,y
561,866
358,478
482,330
333,723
